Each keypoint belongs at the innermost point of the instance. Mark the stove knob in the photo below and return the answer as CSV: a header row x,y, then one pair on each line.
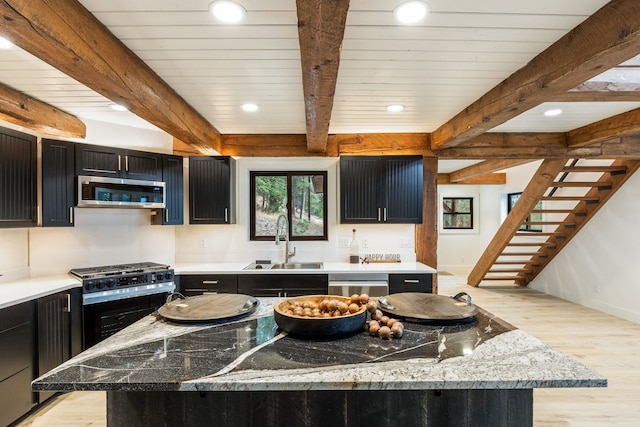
x,y
100,284
159,276
167,275
89,286
111,283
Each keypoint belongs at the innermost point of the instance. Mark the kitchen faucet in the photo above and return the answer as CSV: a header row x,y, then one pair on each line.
x,y
287,253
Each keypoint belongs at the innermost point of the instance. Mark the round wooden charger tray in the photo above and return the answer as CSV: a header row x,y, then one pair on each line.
x,y
210,307
424,308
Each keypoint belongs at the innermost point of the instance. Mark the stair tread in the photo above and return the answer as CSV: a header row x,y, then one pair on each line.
x,y
594,169
570,198
581,184
502,278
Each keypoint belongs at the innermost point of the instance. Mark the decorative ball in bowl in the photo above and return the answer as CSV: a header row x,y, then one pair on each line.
x,y
320,316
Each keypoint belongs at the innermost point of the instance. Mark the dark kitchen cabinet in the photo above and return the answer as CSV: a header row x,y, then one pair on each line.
x,y
173,213
410,283
59,331
58,195
381,189
114,162
18,179
200,284
17,366
211,190
283,285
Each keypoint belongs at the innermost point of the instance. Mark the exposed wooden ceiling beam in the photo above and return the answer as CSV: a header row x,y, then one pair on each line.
x,y
606,39
67,36
484,168
602,96
620,125
23,110
321,25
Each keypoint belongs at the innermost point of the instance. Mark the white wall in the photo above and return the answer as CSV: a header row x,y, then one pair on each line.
x,y
230,243
597,267
100,236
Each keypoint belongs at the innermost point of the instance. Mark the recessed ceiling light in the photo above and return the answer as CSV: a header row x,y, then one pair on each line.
x,y
118,107
249,107
552,113
411,12
227,11
5,44
394,108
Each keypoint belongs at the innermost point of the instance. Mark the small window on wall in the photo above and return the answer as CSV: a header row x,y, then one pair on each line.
x,y
300,196
457,213
512,198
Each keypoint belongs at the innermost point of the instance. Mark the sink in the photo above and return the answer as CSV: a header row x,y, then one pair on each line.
x,y
286,266
298,266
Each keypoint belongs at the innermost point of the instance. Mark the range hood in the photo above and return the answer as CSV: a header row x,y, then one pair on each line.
x,y
98,191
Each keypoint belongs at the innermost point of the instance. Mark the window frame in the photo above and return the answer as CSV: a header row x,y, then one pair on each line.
x,y
524,227
289,175
471,212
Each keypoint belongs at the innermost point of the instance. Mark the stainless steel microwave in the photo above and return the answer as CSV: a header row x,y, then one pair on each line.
x,y
97,191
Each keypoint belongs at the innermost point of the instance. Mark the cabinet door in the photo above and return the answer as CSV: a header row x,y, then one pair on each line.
x,y
359,186
18,178
200,284
410,283
54,334
211,190
58,195
98,160
142,165
283,285
173,213
402,182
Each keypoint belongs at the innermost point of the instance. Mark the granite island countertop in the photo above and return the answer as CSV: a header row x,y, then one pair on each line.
x,y
252,354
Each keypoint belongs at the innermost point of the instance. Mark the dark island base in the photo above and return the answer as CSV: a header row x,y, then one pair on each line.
x,y
456,408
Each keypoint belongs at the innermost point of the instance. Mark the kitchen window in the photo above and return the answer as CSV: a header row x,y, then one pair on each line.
x,y
512,198
300,196
457,213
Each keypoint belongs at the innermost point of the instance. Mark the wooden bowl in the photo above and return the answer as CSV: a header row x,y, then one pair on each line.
x,y
318,327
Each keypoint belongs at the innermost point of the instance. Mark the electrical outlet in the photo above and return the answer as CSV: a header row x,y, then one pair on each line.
x,y
404,243
203,243
343,243
365,243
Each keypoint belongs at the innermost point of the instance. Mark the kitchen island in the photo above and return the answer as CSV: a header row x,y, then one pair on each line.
x,y
247,372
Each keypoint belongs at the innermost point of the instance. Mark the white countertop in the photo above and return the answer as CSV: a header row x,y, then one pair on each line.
x,y
19,291
328,268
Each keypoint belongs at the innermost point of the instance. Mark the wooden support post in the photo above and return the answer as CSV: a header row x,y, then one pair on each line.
x,y
427,232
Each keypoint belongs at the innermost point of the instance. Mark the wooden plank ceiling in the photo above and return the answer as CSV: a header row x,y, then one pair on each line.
x,y
474,76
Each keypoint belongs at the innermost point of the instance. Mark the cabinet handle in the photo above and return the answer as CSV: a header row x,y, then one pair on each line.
x,y
126,163
385,214
70,214
210,293
101,170
196,290
378,214
226,218
209,282
67,309
166,215
411,281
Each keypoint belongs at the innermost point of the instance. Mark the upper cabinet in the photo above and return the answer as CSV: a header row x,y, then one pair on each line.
x,y
211,190
173,213
58,196
18,179
117,162
380,189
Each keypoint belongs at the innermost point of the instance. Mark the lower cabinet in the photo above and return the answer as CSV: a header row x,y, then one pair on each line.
x,y
199,284
410,283
17,364
59,331
283,285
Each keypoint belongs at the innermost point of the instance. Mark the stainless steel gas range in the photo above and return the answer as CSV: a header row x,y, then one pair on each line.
x,y
115,296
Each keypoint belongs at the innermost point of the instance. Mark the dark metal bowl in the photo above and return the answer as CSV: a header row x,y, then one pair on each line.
x,y
318,327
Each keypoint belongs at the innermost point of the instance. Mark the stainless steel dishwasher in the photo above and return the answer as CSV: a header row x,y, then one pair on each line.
x,y
347,284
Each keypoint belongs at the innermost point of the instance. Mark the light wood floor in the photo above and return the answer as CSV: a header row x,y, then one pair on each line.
x,y
605,343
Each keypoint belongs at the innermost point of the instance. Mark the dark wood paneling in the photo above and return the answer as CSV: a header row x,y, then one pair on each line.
x,y
18,177
402,189
210,190
172,175
410,283
58,183
290,285
359,189
199,284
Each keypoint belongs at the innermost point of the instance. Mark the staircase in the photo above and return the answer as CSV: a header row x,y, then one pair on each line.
x,y
559,200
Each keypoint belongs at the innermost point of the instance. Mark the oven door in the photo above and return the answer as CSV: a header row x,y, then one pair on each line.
x,y
101,320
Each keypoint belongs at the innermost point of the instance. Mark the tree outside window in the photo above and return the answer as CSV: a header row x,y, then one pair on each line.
x,y
457,213
512,198
301,196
